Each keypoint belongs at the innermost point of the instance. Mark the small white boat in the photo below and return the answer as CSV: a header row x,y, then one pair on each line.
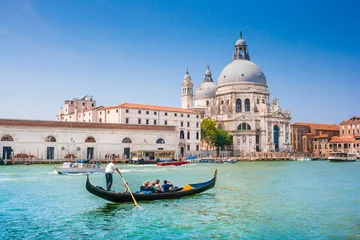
x,y
79,167
342,157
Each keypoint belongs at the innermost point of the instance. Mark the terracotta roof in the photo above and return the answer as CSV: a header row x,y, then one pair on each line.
x,y
321,136
353,120
151,107
347,139
111,107
317,126
65,124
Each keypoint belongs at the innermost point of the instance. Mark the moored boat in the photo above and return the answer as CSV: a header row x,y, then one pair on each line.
x,y
173,163
78,167
342,157
187,190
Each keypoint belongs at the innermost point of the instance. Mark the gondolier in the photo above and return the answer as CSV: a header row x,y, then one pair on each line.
x,y
109,171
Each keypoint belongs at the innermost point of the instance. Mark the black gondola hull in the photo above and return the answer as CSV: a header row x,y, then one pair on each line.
x,y
119,197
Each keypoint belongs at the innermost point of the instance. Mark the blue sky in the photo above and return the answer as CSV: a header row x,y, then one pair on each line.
x,y
138,52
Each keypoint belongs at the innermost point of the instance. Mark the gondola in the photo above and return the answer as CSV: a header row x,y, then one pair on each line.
x,y
187,190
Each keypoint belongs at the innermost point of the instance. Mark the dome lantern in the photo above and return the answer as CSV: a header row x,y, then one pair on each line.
x,y
240,49
208,75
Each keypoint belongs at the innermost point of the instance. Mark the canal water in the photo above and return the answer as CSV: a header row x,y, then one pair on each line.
x,y
259,200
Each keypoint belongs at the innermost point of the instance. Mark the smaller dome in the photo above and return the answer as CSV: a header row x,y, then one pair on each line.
x,y
205,90
240,42
187,76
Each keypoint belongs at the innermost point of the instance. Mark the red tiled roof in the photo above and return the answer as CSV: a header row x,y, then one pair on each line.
x,y
65,124
347,139
353,120
151,107
321,136
317,126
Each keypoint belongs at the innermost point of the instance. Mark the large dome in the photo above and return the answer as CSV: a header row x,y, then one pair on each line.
x,y
205,90
241,70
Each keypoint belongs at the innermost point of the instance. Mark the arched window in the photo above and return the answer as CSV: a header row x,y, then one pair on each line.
x,y
219,126
247,105
100,120
276,138
160,141
90,139
50,139
238,105
126,140
207,103
188,135
182,135
244,127
197,135
7,138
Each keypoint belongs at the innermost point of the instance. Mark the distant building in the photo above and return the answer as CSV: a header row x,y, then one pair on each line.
x,y
349,140
312,138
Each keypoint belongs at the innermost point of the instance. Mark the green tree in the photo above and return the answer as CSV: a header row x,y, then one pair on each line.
x,y
212,136
219,139
207,129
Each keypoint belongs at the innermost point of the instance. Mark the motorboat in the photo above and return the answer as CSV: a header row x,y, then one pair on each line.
x,y
342,157
79,167
173,163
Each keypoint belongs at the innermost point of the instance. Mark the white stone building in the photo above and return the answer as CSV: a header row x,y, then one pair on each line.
x,y
185,121
24,139
240,104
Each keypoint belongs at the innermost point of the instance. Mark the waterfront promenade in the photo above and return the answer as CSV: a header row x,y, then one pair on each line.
x,y
249,157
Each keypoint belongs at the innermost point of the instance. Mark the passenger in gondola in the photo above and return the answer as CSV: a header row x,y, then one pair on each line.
x,y
158,187
167,186
147,187
144,186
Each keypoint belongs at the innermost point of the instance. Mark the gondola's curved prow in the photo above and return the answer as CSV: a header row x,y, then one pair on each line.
x,y
187,190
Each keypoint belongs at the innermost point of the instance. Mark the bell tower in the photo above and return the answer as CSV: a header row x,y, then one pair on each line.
x,y
187,94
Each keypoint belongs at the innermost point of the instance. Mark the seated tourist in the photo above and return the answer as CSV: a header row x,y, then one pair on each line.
x,y
167,186
152,184
158,187
144,186
147,187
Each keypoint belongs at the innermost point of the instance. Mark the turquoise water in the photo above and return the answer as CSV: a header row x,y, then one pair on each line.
x,y
261,200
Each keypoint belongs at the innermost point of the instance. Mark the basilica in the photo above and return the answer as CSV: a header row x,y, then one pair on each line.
x,y
240,104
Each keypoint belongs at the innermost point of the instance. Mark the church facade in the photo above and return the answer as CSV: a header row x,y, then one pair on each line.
x,y
240,104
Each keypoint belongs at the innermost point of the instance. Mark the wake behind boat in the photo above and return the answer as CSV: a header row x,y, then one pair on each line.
x,y
187,190
80,166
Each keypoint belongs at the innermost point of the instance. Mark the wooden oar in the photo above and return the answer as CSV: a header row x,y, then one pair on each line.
x,y
127,186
